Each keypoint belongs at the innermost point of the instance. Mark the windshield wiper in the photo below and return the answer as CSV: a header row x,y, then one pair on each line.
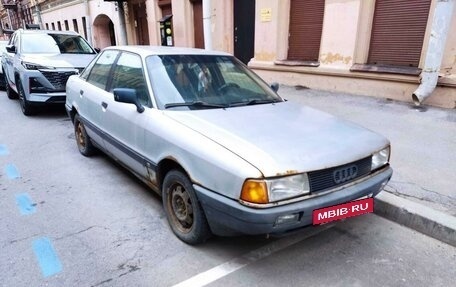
x,y
253,102
194,104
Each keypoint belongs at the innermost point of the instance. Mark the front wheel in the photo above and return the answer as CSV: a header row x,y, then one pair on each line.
x,y
9,92
26,107
183,210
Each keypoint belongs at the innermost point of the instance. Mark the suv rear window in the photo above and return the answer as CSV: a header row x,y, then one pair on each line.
x,y
55,43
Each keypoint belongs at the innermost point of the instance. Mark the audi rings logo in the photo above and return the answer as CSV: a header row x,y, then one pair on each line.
x,y
345,174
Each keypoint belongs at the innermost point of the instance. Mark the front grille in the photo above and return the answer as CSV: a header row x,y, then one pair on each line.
x,y
58,79
321,180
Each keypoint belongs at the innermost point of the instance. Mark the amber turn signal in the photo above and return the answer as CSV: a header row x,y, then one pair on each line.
x,y
255,191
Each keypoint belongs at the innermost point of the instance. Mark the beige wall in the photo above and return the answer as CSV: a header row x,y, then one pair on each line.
x,y
345,41
338,45
77,10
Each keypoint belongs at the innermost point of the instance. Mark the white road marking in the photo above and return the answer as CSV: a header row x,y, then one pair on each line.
x,y
226,268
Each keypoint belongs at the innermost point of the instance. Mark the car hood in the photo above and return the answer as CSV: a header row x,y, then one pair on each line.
x,y
60,60
283,138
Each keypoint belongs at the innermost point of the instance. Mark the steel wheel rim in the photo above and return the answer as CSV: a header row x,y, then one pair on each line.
x,y
80,137
181,207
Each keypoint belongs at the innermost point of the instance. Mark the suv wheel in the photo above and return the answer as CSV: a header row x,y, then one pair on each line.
x,y
9,92
26,107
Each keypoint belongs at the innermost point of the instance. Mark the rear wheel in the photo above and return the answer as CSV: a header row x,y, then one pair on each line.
x,y
183,210
9,92
85,146
26,107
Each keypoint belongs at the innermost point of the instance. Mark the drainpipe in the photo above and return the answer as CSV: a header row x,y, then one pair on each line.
x,y
38,14
88,22
439,31
122,29
207,24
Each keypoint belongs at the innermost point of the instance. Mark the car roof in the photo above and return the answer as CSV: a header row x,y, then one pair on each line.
x,y
48,32
163,50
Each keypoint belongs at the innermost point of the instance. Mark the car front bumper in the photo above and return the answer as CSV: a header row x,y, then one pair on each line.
x,y
228,217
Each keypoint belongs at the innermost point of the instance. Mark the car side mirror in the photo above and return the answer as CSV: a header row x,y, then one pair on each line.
x,y
11,49
125,95
275,87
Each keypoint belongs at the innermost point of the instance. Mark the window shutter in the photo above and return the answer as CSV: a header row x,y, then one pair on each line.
x,y
306,25
398,32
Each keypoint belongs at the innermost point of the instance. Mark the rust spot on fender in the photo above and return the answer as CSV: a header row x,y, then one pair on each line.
x,y
288,172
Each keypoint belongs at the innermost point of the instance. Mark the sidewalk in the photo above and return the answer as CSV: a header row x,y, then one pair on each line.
x,y
422,191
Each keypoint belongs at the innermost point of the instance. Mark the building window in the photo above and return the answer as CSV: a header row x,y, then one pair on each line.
x,y
59,26
398,32
66,25
306,25
75,26
53,26
47,26
84,27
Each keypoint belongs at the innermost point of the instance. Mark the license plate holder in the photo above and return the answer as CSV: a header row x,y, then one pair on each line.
x,y
341,211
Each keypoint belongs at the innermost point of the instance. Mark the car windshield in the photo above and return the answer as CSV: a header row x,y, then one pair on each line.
x,y
205,81
42,43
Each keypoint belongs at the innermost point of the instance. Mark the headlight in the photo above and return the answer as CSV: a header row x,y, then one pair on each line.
x,y
380,158
271,190
32,66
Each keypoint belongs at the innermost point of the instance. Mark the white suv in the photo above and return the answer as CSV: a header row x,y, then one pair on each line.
x,y
37,64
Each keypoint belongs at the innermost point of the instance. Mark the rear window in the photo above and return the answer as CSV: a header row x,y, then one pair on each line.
x,y
55,44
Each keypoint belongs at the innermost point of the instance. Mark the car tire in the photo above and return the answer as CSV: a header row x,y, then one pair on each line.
x,y
83,141
9,92
183,210
26,107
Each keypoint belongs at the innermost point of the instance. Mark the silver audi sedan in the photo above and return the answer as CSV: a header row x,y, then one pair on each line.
x,y
227,154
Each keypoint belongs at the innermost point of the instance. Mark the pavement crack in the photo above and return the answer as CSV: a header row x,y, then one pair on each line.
x,y
102,282
22,239
82,231
441,199
131,268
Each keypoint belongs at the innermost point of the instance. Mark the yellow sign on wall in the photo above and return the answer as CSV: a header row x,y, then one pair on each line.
x,y
266,14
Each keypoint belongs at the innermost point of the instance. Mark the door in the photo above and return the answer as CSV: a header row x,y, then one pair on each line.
x,y
141,27
198,23
124,125
244,29
94,96
8,59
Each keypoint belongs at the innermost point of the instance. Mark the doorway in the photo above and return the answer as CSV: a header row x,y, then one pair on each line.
x,y
140,22
244,29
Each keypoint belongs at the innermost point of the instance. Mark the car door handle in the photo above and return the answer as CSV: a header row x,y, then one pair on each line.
x,y
104,105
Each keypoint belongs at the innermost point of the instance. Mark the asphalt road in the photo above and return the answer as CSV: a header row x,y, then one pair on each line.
x,y
67,220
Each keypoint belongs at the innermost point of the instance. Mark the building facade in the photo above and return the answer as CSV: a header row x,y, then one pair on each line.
x,y
370,47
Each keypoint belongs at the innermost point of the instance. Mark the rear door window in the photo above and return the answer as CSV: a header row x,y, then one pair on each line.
x,y
99,74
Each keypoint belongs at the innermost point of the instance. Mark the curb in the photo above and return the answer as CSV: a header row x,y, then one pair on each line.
x,y
421,218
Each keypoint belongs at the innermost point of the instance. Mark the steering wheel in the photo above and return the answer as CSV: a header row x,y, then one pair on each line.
x,y
228,86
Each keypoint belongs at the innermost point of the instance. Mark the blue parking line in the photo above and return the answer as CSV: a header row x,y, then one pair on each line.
x,y
46,256
11,171
3,150
25,204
